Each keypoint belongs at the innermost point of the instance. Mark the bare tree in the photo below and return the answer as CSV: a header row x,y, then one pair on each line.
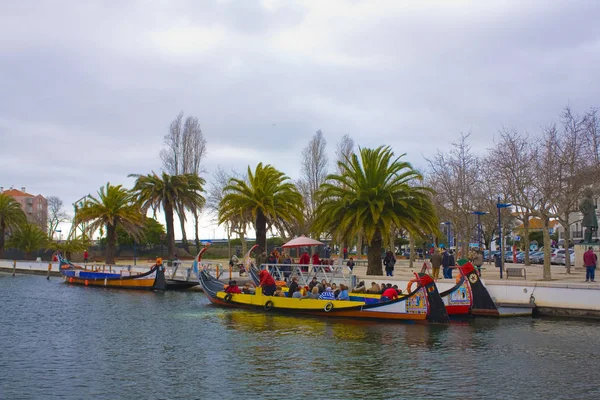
x,y
184,152
238,225
454,176
312,174
56,214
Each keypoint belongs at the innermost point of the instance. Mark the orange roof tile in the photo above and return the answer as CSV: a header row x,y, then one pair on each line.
x,y
18,193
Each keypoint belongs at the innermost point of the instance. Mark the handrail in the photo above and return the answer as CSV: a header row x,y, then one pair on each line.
x,y
305,272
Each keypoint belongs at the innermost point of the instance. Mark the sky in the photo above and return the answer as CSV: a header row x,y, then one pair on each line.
x,y
89,88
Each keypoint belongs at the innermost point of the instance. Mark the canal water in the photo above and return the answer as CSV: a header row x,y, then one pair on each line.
x,y
67,342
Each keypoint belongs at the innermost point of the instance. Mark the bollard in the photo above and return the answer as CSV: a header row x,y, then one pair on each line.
x,y
230,270
49,269
14,267
217,269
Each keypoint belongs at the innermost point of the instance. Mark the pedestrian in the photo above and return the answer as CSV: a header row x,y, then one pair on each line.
x,y
478,261
590,259
389,261
85,256
451,263
328,252
436,262
345,253
350,264
445,263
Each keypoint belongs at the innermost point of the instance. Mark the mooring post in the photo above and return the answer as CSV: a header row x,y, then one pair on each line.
x,y
49,269
14,267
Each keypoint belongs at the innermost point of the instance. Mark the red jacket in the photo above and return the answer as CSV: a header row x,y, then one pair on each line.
x,y
265,278
233,289
315,259
305,259
589,258
390,293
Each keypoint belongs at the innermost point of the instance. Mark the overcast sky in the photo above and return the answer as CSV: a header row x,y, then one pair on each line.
x,y
89,87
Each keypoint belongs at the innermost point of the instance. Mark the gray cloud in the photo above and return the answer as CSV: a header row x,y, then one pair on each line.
x,y
89,88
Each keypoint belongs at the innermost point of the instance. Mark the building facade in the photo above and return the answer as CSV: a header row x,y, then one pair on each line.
x,y
34,206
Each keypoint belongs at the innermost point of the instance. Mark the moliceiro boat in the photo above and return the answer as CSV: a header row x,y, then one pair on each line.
x,y
154,279
423,304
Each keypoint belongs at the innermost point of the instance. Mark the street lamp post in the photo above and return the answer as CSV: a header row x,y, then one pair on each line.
x,y
479,214
447,223
501,205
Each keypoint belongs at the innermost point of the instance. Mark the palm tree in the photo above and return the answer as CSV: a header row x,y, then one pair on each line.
x,y
369,196
268,194
69,246
114,207
11,216
28,238
168,192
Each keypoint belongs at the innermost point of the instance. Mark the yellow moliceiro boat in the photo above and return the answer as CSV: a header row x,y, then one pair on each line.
x,y
423,304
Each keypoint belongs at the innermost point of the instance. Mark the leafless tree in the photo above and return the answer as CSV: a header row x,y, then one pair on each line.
x,y
220,179
312,173
184,152
56,214
454,176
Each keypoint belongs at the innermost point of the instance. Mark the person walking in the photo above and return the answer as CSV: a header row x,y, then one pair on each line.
x,y
445,263
389,261
590,259
451,263
436,262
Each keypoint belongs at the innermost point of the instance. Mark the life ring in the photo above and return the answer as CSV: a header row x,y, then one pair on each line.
x,y
409,285
328,307
473,278
269,305
227,297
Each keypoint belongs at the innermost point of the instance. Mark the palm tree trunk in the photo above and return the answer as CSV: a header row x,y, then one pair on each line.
x,y
111,244
411,245
374,255
181,214
2,235
168,208
261,231
196,235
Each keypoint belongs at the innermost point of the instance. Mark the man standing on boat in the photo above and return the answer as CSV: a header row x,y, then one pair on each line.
x,y
267,283
590,260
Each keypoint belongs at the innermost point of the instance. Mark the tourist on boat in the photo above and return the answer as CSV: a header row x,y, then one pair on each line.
x,y
350,264
293,286
314,282
248,289
315,259
389,261
279,292
323,285
233,288
397,289
343,295
328,251
327,294
389,294
287,259
360,288
304,259
436,262
314,294
375,288
267,282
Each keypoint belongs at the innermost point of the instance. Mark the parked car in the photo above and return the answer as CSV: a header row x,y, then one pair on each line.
x,y
537,257
560,257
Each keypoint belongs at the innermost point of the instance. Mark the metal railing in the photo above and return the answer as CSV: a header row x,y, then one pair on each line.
x,y
305,272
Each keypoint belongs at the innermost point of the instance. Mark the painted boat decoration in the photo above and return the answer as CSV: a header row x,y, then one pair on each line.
x,y
154,279
423,304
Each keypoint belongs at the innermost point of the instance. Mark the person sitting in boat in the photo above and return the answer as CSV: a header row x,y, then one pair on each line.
x,y
248,289
343,295
323,285
267,283
389,294
293,286
305,258
360,288
314,294
375,288
279,292
287,259
327,294
272,259
233,288
335,289
314,282
301,294
397,289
